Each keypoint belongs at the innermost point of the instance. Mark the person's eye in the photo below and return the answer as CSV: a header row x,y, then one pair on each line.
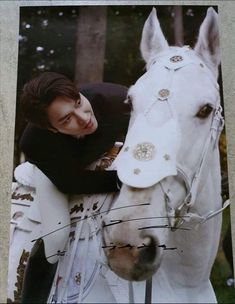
x,y
67,120
205,111
78,103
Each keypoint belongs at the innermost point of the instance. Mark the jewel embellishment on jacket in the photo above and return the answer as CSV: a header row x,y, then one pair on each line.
x,y
144,151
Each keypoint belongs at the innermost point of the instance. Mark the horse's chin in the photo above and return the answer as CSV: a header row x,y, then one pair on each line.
x,y
138,272
135,263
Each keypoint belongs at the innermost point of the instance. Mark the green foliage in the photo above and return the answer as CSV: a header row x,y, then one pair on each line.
x,y
221,270
48,36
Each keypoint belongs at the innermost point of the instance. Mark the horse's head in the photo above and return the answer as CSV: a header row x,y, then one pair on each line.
x,y
165,163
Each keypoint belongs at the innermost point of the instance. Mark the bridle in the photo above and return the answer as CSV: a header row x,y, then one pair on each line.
x,y
177,216
182,213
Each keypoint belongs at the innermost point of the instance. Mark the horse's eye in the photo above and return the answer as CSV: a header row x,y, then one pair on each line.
x,y
205,111
128,101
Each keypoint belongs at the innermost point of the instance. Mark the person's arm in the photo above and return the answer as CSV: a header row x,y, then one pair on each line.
x,y
69,179
65,164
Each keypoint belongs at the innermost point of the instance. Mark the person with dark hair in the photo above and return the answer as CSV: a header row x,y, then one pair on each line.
x,y
68,130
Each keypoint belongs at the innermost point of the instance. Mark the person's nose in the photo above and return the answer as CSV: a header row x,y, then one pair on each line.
x,y
81,116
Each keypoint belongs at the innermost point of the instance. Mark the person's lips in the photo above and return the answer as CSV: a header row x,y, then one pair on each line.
x,y
89,124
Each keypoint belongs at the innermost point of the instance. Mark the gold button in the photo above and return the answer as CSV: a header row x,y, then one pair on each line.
x,y
176,58
144,151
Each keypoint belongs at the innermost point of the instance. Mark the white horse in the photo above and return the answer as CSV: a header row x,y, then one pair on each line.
x,y
170,169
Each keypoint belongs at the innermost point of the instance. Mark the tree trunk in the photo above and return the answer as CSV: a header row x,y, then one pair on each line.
x,y
178,25
90,44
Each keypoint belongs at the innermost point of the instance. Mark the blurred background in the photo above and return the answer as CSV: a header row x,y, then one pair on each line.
x,y
101,43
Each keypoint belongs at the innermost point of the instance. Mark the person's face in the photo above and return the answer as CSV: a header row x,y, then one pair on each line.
x,y
72,117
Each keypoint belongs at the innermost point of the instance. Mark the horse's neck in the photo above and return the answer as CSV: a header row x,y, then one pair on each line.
x,y
167,290
184,273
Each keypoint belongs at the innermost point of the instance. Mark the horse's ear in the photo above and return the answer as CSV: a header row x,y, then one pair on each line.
x,y
208,46
153,40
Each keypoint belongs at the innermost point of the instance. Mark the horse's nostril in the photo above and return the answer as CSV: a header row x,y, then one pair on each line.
x,y
148,252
